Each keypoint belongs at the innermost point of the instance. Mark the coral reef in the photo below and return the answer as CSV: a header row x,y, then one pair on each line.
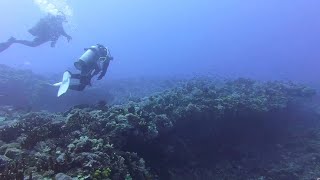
x,y
25,90
200,129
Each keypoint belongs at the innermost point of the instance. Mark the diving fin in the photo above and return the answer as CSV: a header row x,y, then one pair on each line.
x,y
56,84
64,84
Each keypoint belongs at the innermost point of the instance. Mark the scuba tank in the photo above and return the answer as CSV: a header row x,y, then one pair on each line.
x,y
91,56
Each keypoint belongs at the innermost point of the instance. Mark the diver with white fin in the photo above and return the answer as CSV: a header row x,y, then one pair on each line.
x,y
64,84
95,60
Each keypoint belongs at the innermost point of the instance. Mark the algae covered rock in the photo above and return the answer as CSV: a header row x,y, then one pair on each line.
x,y
14,153
4,161
61,176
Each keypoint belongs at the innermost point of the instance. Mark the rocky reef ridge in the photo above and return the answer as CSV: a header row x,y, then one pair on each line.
x,y
200,129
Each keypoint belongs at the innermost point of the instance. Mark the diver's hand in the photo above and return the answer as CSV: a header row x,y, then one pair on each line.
x,y
100,77
53,44
69,38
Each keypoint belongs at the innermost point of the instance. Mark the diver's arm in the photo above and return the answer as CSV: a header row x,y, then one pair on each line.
x,y
95,72
63,33
104,69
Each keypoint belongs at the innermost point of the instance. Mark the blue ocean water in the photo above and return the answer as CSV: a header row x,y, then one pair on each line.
x,y
196,90
265,40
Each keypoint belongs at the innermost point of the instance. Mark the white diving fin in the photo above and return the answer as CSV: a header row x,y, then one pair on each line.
x,y
64,84
57,84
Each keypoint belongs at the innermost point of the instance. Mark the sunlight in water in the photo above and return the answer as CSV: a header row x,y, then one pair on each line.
x,y
54,7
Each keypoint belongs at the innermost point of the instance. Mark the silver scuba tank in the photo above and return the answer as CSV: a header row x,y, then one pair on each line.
x,y
87,59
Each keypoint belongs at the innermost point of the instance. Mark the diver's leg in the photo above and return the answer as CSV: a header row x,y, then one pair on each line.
x,y
85,80
36,42
79,87
75,76
6,45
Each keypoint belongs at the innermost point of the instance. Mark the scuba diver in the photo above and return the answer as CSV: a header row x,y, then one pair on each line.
x,y
95,60
49,28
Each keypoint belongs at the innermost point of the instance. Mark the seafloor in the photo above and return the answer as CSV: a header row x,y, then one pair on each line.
x,y
180,129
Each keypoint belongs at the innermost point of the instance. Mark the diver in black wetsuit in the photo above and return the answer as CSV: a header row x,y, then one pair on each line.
x,y
49,28
95,60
